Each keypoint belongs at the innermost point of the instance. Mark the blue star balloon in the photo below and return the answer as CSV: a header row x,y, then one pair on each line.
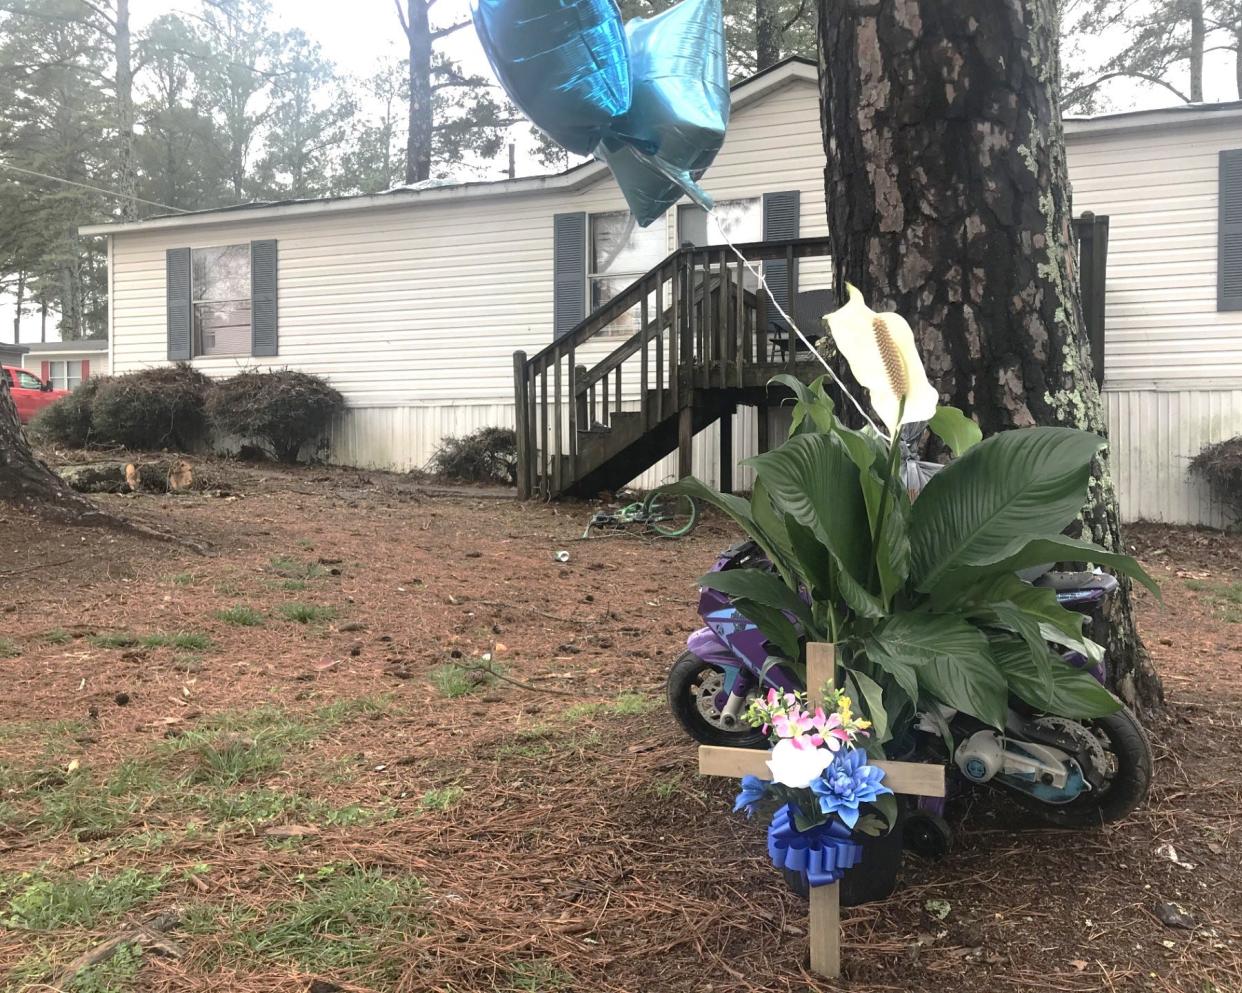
x,y
565,64
680,108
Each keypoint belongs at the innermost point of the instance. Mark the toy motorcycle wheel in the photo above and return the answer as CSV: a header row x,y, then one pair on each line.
x,y
693,689
670,515
1121,754
928,835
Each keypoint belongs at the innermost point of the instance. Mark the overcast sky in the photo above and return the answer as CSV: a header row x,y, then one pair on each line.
x,y
357,34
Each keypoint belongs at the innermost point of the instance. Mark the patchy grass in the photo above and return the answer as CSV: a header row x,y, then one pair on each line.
x,y
307,613
116,975
37,902
288,567
57,636
182,579
187,662
262,805
529,743
534,976
625,705
184,640
241,615
1226,598
440,799
9,649
344,918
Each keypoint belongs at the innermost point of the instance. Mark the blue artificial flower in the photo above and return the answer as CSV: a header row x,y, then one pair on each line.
x,y
847,782
753,789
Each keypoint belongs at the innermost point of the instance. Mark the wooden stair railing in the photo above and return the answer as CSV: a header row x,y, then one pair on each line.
x,y
699,327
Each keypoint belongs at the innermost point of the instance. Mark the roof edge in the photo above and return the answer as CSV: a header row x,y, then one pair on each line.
x,y
747,91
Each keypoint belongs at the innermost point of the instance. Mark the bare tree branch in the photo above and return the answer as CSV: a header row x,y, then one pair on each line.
x,y
439,33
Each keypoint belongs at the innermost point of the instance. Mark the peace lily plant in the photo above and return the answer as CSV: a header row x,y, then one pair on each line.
x,y
921,597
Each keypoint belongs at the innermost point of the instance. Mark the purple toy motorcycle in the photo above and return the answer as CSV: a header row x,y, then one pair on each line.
x,y
1070,773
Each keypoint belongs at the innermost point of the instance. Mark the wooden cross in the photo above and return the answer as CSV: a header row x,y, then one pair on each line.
x,y
900,777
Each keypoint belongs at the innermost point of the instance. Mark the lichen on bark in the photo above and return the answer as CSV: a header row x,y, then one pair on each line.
x,y
949,202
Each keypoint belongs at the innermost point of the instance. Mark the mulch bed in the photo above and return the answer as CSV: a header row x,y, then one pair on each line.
x,y
583,852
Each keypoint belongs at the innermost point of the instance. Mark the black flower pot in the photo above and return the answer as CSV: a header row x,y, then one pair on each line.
x,y
875,877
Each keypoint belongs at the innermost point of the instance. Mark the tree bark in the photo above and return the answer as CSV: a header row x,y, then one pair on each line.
x,y
19,299
1198,34
417,26
767,34
28,484
127,174
949,202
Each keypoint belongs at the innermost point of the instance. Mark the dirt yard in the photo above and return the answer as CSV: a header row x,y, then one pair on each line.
x,y
285,761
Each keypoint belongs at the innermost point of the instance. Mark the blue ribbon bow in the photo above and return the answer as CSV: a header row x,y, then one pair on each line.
x,y
821,854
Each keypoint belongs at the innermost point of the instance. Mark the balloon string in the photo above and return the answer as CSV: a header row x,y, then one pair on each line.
x,y
763,284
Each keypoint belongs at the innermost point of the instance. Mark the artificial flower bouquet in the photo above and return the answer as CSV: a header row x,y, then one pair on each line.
x,y
820,776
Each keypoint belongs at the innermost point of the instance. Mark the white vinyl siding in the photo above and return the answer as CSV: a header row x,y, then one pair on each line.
x,y
1159,189
414,309
425,303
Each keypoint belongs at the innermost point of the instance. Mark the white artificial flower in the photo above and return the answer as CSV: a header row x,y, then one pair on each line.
x,y
881,353
796,767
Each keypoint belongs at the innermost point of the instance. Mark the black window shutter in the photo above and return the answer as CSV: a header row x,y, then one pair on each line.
x,y
568,271
263,298
1229,233
780,223
177,282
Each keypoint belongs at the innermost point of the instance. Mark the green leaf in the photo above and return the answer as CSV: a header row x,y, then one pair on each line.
x,y
1069,692
951,660
813,408
1008,617
1030,551
886,805
955,429
763,588
1005,490
812,558
776,627
812,479
740,511
1038,601
870,696
900,669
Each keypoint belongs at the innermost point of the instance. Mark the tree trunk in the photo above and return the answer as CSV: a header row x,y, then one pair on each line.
x,y
28,484
25,481
127,175
949,203
1237,59
418,146
767,34
20,298
1197,35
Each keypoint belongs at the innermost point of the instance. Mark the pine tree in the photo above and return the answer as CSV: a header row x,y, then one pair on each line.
x,y
949,202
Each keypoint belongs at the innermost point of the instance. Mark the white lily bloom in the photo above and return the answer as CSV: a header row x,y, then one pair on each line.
x,y
881,353
797,767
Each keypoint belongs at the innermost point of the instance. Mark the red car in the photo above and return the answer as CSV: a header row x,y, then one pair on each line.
x,y
30,393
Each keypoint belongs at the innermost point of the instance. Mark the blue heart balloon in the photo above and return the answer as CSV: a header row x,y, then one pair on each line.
x,y
680,109
565,64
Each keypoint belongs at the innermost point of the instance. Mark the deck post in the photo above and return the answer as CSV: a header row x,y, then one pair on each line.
x,y
521,406
726,451
685,441
585,417
763,427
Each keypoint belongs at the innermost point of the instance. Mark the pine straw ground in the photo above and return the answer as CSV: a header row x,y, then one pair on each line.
x,y
266,742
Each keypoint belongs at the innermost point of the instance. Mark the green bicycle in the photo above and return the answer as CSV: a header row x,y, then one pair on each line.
x,y
664,514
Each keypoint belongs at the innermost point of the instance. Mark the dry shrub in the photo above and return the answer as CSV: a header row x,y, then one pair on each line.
x,y
282,410
1221,466
69,420
161,407
488,455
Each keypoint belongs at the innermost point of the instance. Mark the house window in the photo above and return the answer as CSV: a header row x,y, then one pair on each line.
x,y
65,375
621,251
220,297
742,221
